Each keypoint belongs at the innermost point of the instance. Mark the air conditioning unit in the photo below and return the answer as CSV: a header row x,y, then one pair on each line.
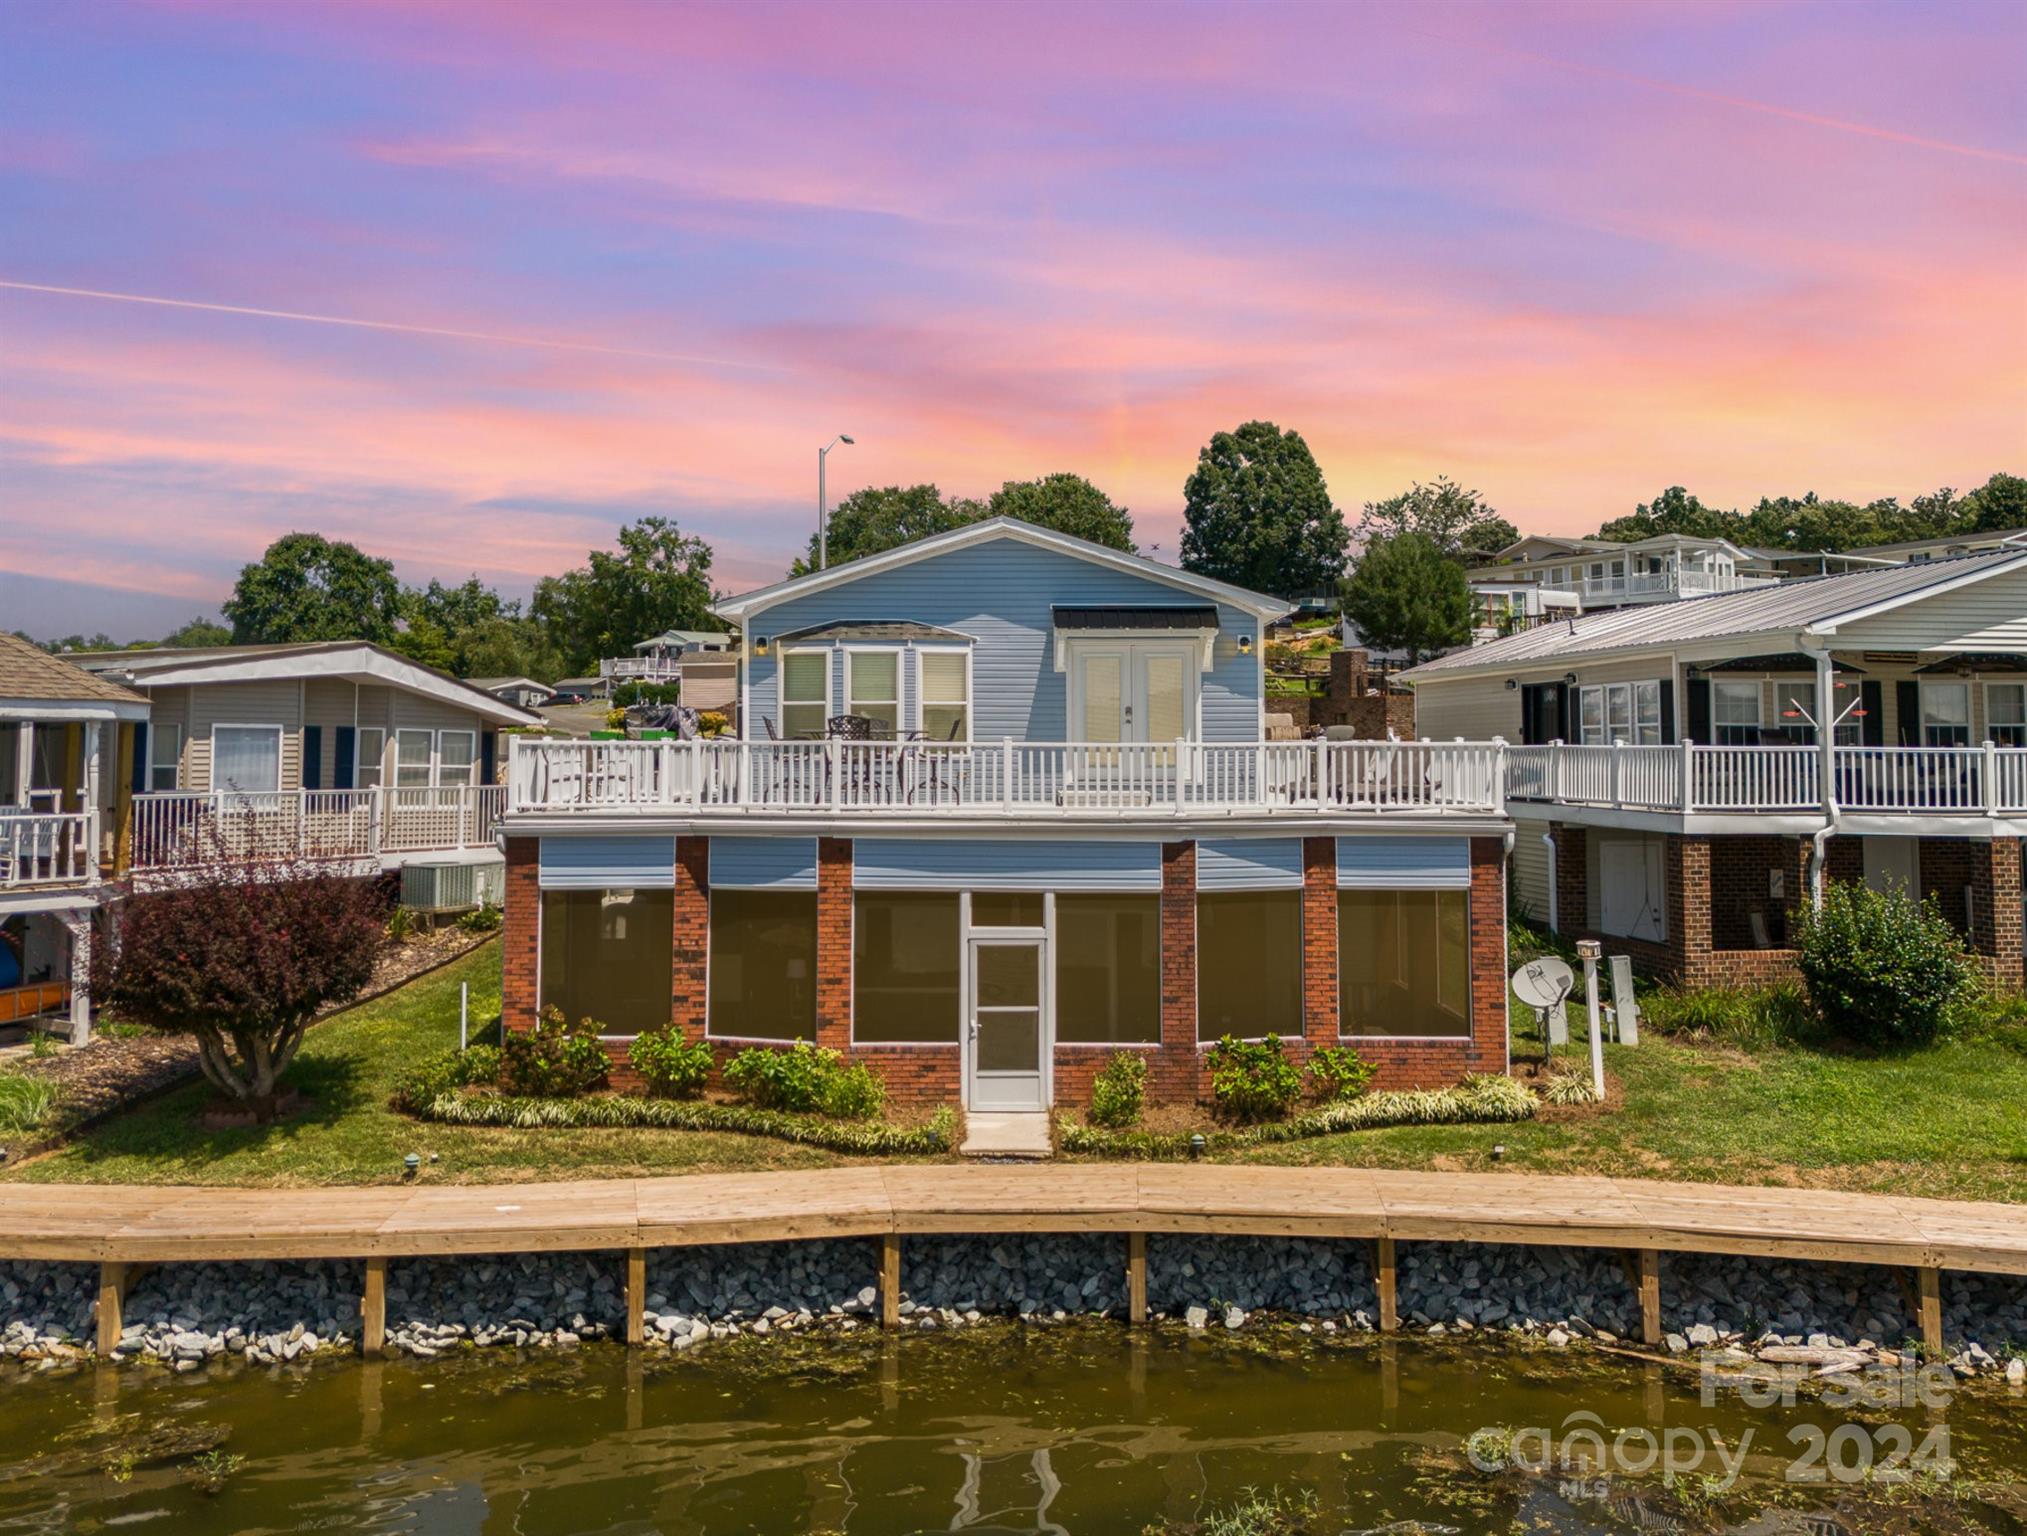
x,y
440,887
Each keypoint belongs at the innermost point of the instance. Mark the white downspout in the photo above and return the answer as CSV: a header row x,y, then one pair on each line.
x,y
1554,916
1826,764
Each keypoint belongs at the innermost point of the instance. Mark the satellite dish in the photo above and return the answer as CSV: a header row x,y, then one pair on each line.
x,y
1543,983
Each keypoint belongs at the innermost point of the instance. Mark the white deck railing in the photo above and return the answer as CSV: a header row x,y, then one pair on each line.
x,y
44,848
191,829
1973,781
1010,778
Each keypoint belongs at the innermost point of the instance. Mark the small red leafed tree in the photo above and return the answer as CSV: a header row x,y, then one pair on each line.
x,y
242,960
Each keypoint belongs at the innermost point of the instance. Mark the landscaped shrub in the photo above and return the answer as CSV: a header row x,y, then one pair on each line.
x,y
1119,1090
1252,1079
1340,1072
713,722
1752,1017
485,918
435,1076
627,695
25,1102
805,1080
672,1067
400,925
553,1060
616,1111
1883,969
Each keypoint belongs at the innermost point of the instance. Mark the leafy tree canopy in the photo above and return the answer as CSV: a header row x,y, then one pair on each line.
x,y
885,517
1256,512
1808,522
197,634
659,578
307,588
1459,522
1407,594
1069,504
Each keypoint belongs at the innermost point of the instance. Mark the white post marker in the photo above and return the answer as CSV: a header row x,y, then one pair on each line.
x,y
1588,951
464,1011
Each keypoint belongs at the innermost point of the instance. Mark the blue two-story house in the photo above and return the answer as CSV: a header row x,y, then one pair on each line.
x,y
1000,804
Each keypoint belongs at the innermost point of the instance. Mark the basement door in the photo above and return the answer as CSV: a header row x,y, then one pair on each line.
x,y
1009,1027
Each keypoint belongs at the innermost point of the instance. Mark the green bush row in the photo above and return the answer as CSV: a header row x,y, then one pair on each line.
x,y
615,1112
806,1080
1491,1099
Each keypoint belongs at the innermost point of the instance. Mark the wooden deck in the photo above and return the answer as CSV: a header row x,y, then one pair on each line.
x,y
119,1226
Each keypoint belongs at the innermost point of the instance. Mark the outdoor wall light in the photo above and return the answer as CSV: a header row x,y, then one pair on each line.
x,y
760,645
1511,684
1569,679
1245,645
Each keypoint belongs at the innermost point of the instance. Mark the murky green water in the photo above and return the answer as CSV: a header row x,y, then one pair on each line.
x,y
1086,1430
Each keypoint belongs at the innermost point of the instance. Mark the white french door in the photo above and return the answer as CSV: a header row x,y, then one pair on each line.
x,y
1133,690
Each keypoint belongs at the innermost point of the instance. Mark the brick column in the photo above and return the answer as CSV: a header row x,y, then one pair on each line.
x,y
692,937
834,942
1176,1067
1996,917
1685,870
1572,878
1319,941
1487,917
521,933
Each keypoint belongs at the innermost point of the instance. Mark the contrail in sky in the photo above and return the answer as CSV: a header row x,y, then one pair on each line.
x,y
496,337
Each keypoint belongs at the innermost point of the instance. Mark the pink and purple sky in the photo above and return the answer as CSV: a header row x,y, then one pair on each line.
x,y
1568,254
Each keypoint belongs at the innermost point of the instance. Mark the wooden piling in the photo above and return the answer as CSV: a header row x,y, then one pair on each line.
x,y
1383,1273
636,1295
373,1309
1650,1296
1931,1311
890,1280
1136,1277
112,1299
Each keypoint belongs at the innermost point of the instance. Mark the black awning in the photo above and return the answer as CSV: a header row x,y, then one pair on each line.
x,y
1786,661
875,629
1974,661
1139,616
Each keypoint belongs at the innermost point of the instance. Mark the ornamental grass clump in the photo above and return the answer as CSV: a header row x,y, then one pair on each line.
x,y
1119,1091
1252,1080
1883,969
242,959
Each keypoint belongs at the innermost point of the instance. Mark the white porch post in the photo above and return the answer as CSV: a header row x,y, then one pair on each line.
x,y
78,924
93,817
24,761
1826,729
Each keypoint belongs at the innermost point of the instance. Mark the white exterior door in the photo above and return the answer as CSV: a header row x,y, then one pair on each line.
x,y
1008,1034
1138,690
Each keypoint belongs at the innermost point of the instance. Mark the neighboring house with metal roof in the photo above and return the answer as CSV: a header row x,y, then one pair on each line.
x,y
521,692
1600,574
60,729
1683,775
1000,804
659,659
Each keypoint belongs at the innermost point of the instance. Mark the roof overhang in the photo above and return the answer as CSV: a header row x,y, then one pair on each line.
x,y
741,609
359,663
62,711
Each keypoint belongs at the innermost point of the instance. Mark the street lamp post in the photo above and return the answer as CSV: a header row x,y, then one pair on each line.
x,y
822,506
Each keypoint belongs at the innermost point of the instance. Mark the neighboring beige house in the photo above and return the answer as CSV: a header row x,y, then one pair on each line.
x,y
521,692
1603,573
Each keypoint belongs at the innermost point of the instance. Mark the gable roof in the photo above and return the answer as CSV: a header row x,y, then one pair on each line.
x,y
989,530
355,660
29,674
1814,603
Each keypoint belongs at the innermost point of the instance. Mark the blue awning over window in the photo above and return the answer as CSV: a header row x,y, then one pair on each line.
x,y
1404,863
581,863
764,863
1249,864
930,864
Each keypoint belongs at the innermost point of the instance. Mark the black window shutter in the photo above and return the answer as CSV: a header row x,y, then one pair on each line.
x,y
341,768
1872,699
1907,697
140,779
1699,710
1668,710
313,757
488,748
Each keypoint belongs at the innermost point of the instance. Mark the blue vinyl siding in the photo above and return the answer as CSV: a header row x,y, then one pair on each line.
x,y
601,863
1249,864
1001,594
1404,863
771,863
918,864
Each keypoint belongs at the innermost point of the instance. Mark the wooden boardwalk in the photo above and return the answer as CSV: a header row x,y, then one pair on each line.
x,y
121,1226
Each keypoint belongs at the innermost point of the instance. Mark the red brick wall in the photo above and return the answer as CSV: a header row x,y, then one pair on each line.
x,y
2008,905
834,942
1319,940
1173,1073
521,933
692,935
1991,873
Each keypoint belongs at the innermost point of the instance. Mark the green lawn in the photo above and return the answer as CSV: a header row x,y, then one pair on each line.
x,y
1950,1121
350,1136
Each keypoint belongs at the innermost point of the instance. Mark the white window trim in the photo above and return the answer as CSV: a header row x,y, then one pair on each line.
x,y
1631,689
248,725
970,693
781,698
361,759
161,731
900,699
1073,686
1927,688
429,767
1758,722
1992,725
436,758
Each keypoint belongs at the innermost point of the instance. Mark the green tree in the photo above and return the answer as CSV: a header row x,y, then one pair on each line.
x,y
1406,594
1673,511
1256,512
306,588
1999,504
1458,521
196,635
659,578
1069,504
886,517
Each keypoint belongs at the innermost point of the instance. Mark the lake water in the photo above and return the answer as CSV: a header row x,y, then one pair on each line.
x,y
1080,1429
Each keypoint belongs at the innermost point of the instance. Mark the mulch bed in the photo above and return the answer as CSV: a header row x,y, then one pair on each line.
x,y
110,1073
